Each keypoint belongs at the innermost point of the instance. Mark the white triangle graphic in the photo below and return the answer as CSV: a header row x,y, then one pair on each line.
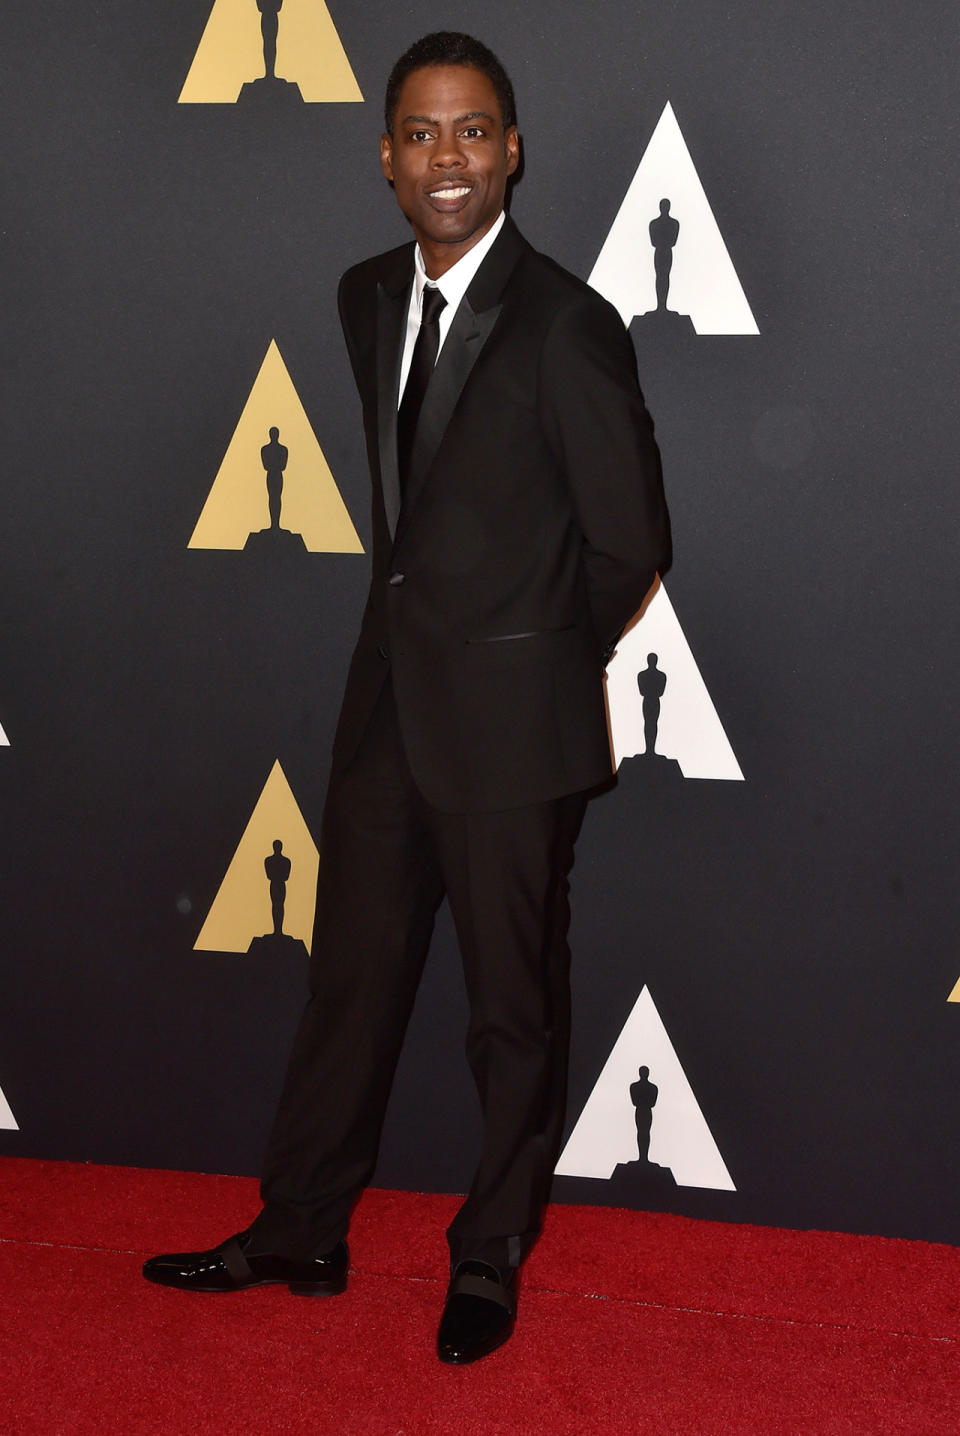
x,y
4,740
8,1122
703,281
689,729
606,1132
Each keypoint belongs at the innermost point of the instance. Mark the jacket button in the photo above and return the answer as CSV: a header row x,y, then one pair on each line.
x,y
396,579
382,652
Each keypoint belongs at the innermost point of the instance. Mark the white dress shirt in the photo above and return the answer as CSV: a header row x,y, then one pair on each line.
x,y
453,286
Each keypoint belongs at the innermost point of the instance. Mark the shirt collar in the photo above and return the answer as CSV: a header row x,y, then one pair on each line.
x,y
454,284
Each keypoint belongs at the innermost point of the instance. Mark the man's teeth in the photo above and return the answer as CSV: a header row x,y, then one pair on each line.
x,y
450,193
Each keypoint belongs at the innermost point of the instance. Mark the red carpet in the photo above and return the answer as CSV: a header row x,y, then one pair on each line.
x,y
628,1322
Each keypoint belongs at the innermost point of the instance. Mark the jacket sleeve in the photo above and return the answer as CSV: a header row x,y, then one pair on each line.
x,y
599,428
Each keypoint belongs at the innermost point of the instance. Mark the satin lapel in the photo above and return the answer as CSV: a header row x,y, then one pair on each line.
x,y
392,304
461,350
472,324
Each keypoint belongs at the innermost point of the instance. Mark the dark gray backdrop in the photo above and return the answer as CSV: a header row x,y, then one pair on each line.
x,y
799,929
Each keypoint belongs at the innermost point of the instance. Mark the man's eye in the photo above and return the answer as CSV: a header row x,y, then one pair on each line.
x,y
473,132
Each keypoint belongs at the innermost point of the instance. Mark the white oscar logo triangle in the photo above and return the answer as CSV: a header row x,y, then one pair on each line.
x,y
606,1133
4,740
8,1122
689,729
703,281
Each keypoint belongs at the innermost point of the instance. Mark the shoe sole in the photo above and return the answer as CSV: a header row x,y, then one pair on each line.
x,y
317,1288
297,1288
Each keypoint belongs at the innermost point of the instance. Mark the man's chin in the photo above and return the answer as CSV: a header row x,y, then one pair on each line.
x,y
454,229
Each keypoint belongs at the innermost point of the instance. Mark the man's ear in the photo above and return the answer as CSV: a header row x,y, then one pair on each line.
x,y
511,143
386,156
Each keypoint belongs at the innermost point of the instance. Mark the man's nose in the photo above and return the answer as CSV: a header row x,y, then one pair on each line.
x,y
448,151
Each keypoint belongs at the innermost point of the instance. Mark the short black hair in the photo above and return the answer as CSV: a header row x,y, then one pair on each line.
x,y
450,47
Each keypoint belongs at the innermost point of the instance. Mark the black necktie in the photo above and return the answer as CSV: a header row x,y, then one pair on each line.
x,y
421,367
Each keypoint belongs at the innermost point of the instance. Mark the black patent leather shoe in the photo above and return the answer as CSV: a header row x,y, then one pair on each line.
x,y
479,1315
227,1268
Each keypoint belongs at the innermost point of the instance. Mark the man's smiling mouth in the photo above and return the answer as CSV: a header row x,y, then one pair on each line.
x,y
450,192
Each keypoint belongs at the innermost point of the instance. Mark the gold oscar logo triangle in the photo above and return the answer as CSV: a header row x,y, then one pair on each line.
x,y
955,993
245,39
274,476
244,907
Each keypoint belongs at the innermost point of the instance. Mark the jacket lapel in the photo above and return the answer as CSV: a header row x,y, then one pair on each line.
x,y
393,299
472,324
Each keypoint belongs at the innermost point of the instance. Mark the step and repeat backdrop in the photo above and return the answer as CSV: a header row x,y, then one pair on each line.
x,y
766,959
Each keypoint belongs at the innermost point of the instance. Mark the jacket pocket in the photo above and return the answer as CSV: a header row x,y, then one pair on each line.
x,y
531,633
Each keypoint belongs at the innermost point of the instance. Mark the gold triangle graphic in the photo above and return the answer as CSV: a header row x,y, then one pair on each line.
x,y
310,504
231,53
241,909
955,994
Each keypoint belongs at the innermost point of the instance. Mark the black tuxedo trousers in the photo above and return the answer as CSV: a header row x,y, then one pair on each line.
x,y
387,858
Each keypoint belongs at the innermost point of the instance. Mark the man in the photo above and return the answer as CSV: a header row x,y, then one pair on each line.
x,y
518,521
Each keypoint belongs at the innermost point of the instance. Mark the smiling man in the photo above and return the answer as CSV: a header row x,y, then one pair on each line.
x,y
449,164
518,522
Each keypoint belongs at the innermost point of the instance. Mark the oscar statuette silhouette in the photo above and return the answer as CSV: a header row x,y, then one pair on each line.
x,y
274,539
661,322
277,867
270,91
650,767
641,1178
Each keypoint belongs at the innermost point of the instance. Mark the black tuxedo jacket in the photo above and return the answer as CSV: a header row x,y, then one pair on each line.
x,y
532,526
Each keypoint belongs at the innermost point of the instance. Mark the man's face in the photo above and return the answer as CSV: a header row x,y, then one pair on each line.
x,y
449,158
